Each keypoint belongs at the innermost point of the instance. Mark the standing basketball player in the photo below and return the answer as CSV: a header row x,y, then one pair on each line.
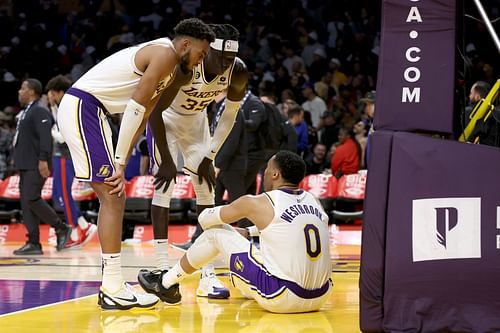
x,y
186,125
127,82
63,174
291,272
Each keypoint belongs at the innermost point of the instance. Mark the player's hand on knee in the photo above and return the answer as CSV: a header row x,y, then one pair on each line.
x,y
166,173
206,171
117,181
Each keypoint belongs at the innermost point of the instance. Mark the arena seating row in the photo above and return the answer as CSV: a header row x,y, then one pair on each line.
x,y
342,198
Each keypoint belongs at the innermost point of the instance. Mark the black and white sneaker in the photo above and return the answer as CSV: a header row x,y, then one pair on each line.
x,y
126,298
151,282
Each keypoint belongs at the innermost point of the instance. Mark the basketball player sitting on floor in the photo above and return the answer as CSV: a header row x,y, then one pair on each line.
x,y
291,272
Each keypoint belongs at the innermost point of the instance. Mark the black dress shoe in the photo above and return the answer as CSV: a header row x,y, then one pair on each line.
x,y
29,249
63,234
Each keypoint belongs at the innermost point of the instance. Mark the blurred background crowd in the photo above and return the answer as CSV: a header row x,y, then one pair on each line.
x,y
316,58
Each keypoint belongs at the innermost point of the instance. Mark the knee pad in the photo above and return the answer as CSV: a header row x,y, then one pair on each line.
x,y
203,250
163,199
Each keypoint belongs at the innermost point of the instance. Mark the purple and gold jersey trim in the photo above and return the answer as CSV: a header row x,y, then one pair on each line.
x,y
246,268
96,145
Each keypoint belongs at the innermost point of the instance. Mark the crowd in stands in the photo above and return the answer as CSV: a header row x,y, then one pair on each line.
x,y
315,60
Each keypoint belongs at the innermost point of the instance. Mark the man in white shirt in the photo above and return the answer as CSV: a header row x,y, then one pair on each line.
x,y
314,104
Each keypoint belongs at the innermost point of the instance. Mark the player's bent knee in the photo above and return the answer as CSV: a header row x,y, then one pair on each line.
x,y
102,191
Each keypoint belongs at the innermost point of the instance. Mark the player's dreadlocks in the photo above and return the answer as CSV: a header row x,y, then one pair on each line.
x,y
194,28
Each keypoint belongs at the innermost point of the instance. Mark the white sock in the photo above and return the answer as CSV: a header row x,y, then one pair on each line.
x,y
175,275
161,253
82,222
112,278
207,270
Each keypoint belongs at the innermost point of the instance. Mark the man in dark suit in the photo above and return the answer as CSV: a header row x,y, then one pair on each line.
x,y
32,154
231,163
255,114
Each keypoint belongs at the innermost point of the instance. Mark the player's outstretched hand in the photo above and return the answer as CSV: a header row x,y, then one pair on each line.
x,y
206,171
166,173
117,180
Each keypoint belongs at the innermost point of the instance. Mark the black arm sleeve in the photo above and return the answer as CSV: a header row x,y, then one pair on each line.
x,y
255,114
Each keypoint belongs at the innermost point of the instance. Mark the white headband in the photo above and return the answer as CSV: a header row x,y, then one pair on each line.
x,y
231,45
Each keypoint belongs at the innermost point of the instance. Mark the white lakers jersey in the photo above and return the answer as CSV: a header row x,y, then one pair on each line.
x,y
196,95
114,80
295,246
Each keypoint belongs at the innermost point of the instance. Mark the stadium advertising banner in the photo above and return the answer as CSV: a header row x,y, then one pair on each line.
x,y
416,66
442,259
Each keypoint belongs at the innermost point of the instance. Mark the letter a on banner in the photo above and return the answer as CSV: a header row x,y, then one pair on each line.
x,y
416,72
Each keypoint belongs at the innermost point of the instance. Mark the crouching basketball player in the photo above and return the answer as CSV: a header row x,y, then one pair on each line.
x,y
184,125
291,272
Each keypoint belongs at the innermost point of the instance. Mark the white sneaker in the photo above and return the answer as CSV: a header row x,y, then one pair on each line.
x,y
210,286
126,298
87,234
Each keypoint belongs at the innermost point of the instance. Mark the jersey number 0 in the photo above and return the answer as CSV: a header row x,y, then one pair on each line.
x,y
313,242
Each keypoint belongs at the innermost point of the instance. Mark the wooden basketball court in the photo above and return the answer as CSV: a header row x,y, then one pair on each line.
x,y
57,292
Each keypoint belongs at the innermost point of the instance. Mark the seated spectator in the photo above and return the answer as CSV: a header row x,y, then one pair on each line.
x,y
360,130
286,95
312,133
329,132
296,118
478,91
324,90
287,105
311,49
282,79
291,58
338,77
317,162
369,114
314,104
318,66
347,156
296,83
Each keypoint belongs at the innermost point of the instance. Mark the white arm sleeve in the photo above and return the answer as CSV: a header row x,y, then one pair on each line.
x,y
210,217
132,119
224,127
56,135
